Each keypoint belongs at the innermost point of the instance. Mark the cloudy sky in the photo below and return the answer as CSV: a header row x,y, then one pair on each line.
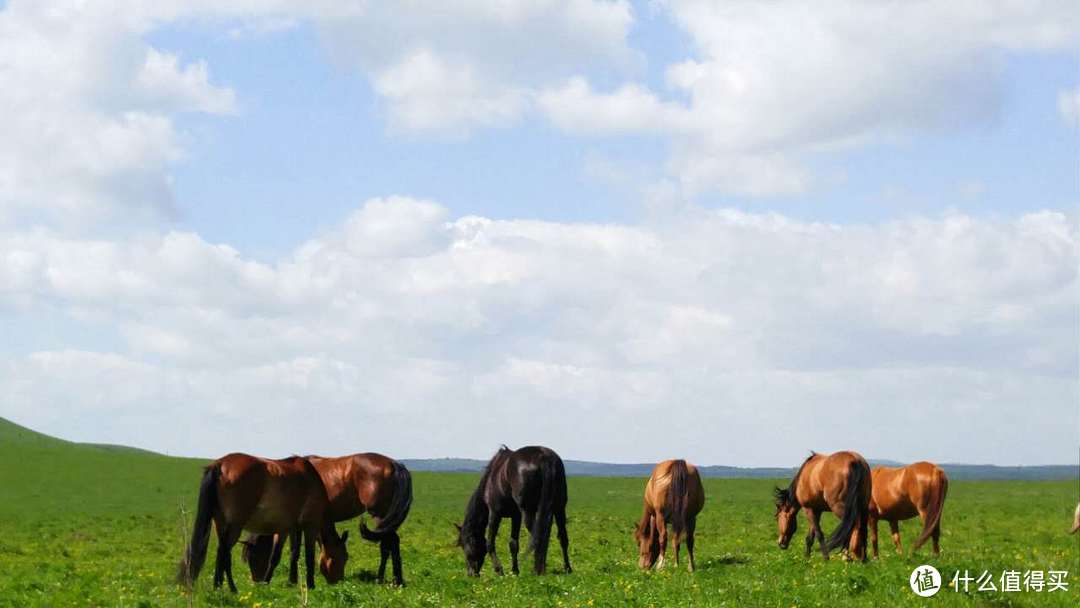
x,y
730,231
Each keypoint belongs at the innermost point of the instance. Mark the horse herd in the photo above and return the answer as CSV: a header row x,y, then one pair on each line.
x,y
301,498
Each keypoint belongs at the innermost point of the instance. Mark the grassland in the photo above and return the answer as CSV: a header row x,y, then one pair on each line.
x,y
100,526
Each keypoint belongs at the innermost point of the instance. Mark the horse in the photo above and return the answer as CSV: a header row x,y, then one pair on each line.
x,y
1076,520
527,484
839,482
900,493
673,494
241,492
356,484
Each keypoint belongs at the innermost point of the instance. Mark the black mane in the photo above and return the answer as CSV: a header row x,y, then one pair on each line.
x,y
786,496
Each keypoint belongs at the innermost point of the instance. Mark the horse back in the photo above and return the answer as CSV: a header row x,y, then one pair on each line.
x,y
823,479
522,474
373,484
270,496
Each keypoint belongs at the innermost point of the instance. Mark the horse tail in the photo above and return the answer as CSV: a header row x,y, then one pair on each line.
x,y
553,476
399,506
195,555
677,496
939,485
856,509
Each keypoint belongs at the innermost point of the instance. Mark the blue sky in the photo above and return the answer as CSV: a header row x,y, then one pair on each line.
x,y
310,141
749,215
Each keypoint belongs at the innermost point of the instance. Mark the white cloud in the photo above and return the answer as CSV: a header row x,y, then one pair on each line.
x,y
424,335
456,66
772,81
424,92
86,109
1068,104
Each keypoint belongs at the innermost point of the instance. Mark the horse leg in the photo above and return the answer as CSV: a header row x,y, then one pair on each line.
x,y
528,517
294,556
691,523
815,522
811,517
309,556
515,533
384,554
275,556
226,539
874,534
493,531
564,538
661,531
395,554
894,530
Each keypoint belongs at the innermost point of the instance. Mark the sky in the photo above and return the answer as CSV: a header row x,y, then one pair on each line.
x,y
731,231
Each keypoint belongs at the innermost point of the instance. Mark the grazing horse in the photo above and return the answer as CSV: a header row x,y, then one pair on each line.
x,y
356,484
902,493
1076,520
241,492
839,482
529,484
673,494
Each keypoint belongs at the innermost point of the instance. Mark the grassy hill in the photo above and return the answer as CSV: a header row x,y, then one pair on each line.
x,y
45,475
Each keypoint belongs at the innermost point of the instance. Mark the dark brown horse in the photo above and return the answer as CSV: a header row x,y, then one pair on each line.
x,y
356,484
527,484
673,494
839,482
241,492
901,493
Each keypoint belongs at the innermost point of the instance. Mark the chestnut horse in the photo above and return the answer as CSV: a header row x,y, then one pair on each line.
x,y
356,484
673,494
901,493
241,492
526,484
839,482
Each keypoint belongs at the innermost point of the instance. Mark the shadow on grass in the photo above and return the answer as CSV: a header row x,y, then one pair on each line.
x,y
365,576
719,562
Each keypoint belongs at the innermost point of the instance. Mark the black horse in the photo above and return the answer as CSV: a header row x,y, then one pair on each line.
x,y
528,484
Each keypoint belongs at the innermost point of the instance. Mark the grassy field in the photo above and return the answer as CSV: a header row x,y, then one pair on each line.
x,y
99,526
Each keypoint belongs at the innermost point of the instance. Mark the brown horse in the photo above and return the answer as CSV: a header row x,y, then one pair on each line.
x,y
241,492
839,482
526,484
901,493
356,484
673,494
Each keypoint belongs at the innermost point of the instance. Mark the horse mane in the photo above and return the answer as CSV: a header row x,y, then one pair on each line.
x,y
476,513
786,496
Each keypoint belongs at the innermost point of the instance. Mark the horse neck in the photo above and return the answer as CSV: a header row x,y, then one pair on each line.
x,y
477,513
794,487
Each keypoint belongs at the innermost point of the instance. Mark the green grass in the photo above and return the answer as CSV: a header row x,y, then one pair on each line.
x,y
102,526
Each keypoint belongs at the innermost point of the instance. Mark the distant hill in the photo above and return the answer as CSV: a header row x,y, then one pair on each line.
x,y
601,469
14,436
